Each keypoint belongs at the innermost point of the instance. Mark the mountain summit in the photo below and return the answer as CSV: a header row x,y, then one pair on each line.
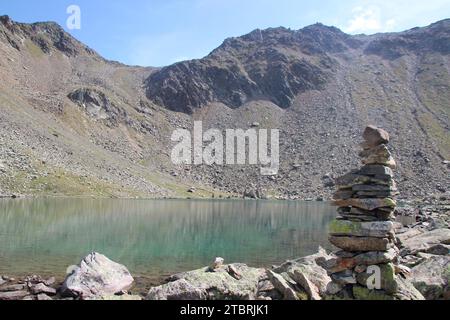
x,y
277,64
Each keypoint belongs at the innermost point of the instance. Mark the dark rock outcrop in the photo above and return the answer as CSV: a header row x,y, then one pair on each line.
x,y
260,65
97,104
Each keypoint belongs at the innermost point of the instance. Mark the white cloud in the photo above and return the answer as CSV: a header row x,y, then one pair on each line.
x,y
368,20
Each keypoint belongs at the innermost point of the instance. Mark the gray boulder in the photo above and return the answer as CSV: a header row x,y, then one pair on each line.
x,y
96,276
432,276
205,284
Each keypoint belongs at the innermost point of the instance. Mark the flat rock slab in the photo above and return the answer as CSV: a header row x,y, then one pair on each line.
x,y
355,244
348,180
379,229
376,170
425,241
366,204
339,264
283,286
42,288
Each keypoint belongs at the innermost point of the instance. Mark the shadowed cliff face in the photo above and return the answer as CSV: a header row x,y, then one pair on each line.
x,y
274,64
278,64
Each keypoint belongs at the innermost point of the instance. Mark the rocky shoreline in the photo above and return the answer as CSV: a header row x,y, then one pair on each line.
x,y
386,253
423,254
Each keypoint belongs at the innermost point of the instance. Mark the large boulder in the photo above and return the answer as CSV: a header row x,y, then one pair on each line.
x,y
228,282
96,276
432,276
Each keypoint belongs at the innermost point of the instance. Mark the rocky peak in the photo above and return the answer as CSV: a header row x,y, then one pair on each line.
x,y
273,64
433,38
46,35
6,21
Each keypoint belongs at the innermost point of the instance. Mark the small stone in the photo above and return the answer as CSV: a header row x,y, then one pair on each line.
x,y
232,271
377,213
376,170
360,268
343,194
366,204
374,136
282,285
372,187
379,155
344,278
407,291
303,280
42,288
13,295
403,270
50,281
375,194
13,287
333,288
362,293
348,180
217,263
387,278
43,297
265,285
341,263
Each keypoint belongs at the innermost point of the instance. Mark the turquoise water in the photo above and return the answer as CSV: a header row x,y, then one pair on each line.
x,y
156,238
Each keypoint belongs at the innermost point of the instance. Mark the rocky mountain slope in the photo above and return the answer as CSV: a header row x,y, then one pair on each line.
x,y
73,123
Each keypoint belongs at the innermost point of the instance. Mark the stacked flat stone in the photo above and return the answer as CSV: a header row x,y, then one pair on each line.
x,y
364,229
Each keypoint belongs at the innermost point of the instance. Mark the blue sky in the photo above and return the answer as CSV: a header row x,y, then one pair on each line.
x,y
161,32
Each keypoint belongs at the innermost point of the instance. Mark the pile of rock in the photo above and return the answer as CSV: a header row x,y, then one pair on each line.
x,y
30,288
364,229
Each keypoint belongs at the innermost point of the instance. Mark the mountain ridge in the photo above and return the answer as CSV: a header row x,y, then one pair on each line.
x,y
74,123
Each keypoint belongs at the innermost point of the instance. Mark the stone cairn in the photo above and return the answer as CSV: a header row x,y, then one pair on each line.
x,y
364,229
